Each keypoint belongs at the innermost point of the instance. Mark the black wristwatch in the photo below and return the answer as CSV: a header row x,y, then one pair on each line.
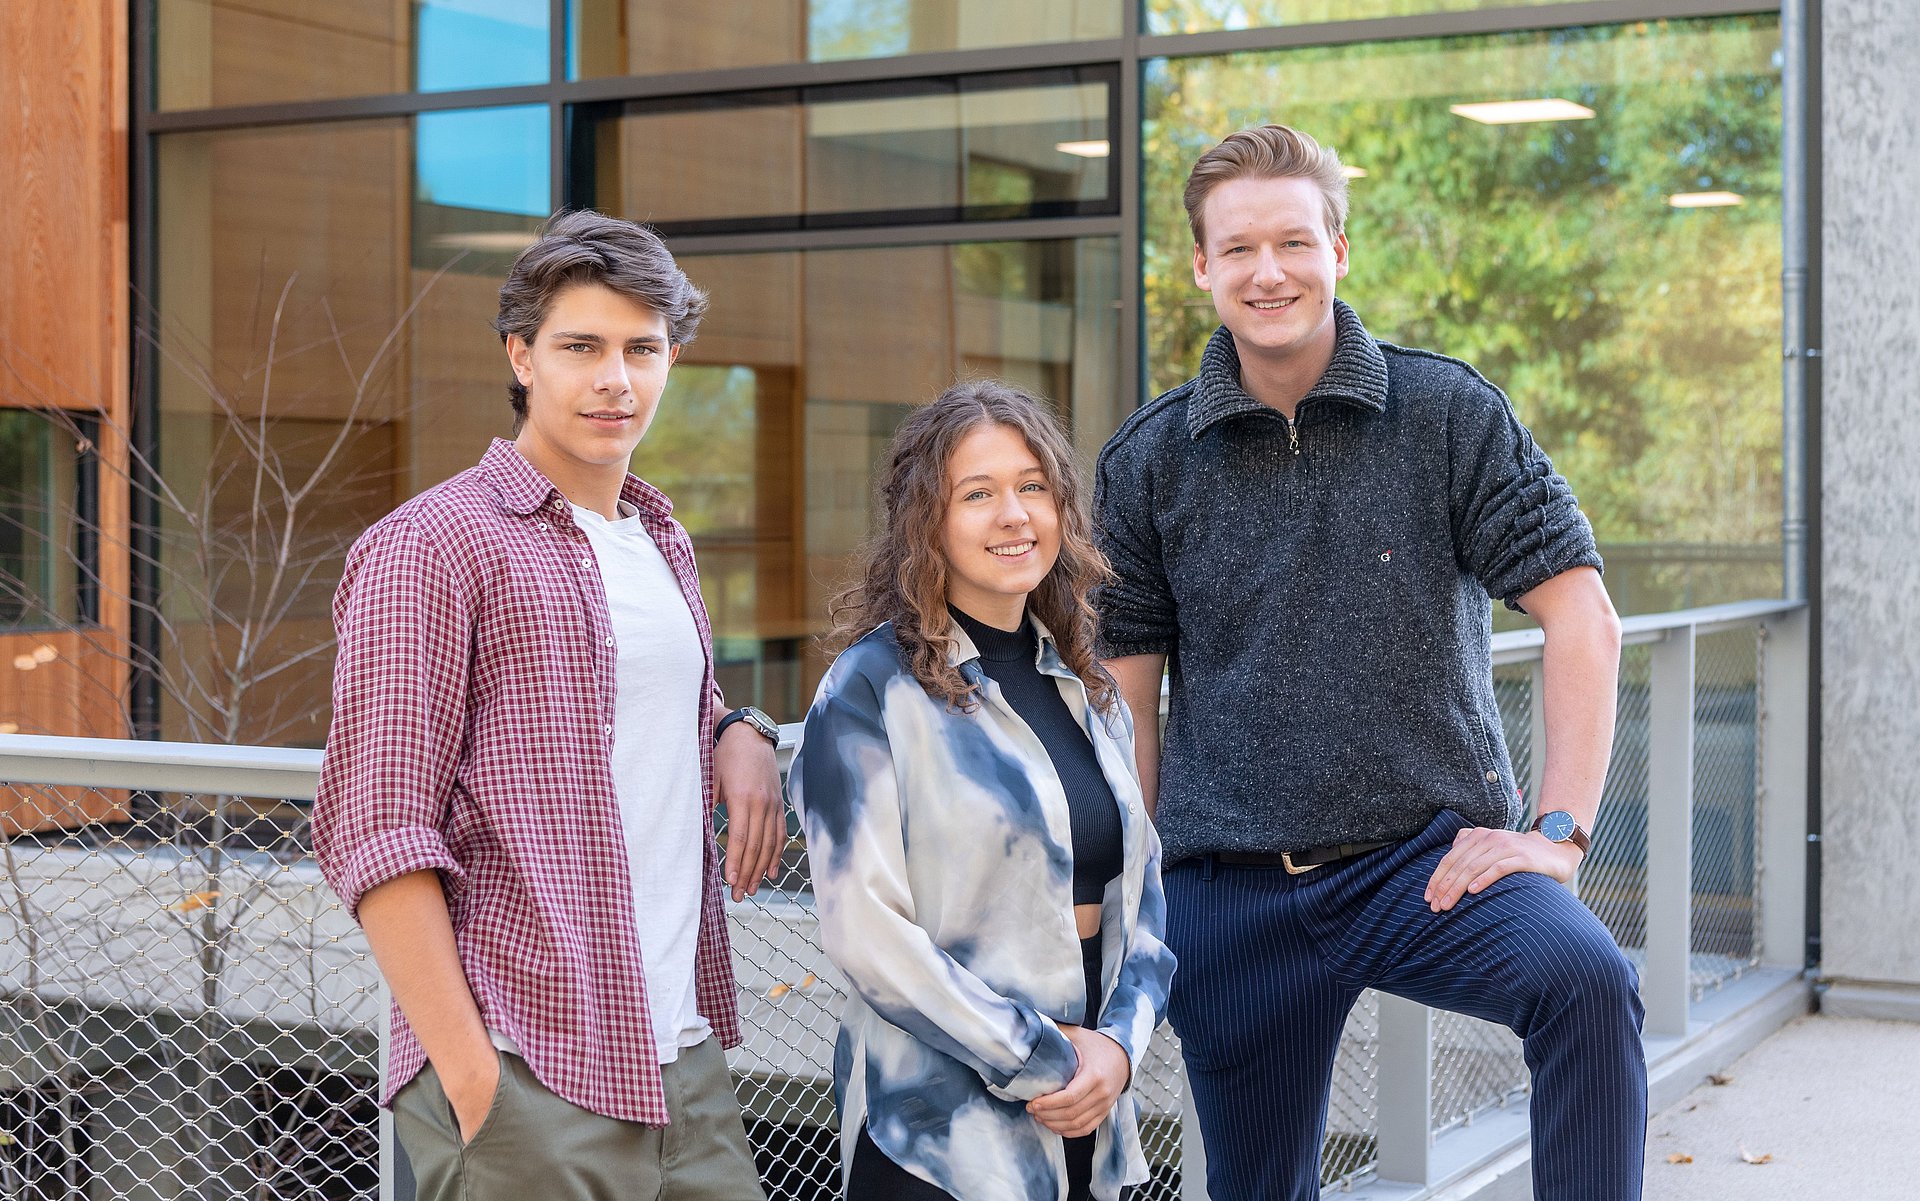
x,y
761,723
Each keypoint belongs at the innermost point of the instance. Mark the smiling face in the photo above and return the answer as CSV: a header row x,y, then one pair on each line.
x,y
1271,263
1001,533
593,372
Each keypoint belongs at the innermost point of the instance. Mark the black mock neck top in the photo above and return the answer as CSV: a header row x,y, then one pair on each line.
x,y
1010,659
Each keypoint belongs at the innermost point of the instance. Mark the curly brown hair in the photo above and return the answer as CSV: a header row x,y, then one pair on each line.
x,y
902,571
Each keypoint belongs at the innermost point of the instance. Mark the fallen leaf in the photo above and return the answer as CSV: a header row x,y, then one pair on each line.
x,y
1678,1157
809,981
6,1140
199,900
1718,1078
778,991
1750,1157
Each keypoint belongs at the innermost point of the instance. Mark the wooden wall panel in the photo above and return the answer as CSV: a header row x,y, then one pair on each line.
x,y
64,332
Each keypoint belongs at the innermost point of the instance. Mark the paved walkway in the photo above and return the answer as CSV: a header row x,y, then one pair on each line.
x,y
1834,1101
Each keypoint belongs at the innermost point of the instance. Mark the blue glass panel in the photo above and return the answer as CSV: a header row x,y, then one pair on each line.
x,y
492,159
480,186
479,43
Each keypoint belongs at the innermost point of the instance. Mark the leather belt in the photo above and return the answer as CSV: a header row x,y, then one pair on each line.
x,y
1298,862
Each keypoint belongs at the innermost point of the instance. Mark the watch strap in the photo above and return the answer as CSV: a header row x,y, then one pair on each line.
x,y
763,726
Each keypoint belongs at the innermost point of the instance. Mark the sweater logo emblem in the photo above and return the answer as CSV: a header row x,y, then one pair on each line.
x,y
1386,556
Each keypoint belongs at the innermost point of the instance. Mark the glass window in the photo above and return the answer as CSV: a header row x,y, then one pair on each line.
x,y
220,52
973,148
641,37
325,293
1611,259
775,417
1205,16
48,543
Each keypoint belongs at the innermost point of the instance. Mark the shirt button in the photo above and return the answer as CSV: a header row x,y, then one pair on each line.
x,y
609,729
1493,777
586,563
609,642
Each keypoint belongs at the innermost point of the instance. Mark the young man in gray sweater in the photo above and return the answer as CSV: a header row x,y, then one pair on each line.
x,y
1307,534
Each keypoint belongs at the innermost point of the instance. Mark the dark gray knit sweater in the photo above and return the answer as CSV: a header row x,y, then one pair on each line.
x,y
1324,608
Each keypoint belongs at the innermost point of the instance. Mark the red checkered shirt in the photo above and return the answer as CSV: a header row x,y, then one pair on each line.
x,y
472,724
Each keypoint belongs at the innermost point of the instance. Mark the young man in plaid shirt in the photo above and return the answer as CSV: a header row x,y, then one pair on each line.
x,y
526,746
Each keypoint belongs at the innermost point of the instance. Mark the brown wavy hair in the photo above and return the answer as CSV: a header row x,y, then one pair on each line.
x,y
902,571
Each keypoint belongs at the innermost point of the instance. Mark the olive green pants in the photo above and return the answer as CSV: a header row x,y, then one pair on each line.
x,y
534,1146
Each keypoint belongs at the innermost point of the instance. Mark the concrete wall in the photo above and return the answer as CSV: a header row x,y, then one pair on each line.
x,y
1870,526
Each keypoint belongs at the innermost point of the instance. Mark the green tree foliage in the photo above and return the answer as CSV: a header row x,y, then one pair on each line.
x,y
1636,338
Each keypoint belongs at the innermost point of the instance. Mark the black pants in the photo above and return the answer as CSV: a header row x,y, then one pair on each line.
x,y
876,1178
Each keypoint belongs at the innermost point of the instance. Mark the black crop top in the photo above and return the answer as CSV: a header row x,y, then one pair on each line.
x,y
1009,659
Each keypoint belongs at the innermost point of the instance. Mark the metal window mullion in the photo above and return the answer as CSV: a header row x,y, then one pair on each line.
x,y
1448,24
1124,147
855,237
556,107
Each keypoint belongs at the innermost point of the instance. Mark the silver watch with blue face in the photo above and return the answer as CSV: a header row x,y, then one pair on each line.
x,y
1558,826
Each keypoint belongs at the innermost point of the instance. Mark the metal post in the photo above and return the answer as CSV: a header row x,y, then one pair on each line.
x,y
1664,983
1405,1079
1193,1149
1781,853
1798,359
384,1000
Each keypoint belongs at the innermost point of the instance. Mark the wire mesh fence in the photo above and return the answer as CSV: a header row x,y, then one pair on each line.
x,y
1726,784
186,1011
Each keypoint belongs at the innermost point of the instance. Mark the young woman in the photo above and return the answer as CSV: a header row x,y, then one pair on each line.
x,y
987,878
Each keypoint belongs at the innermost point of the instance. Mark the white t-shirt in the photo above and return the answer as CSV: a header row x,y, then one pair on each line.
x,y
658,675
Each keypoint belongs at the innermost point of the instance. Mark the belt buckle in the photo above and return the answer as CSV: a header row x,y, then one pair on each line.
x,y
1286,861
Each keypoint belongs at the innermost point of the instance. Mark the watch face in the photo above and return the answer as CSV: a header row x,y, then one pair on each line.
x,y
1558,826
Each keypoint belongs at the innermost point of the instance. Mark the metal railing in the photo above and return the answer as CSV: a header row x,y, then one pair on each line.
x,y
186,1010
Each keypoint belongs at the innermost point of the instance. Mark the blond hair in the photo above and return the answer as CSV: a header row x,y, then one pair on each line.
x,y
1268,152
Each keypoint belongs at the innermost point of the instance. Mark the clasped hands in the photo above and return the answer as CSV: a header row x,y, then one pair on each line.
x,y
1097,1083
1480,855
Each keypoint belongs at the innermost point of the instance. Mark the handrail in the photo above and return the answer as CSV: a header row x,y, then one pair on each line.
x,y
282,773
291,773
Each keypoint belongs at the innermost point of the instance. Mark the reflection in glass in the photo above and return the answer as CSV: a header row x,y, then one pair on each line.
x,y
932,150
219,52
1204,16
1637,338
641,37
480,186
774,418
48,552
299,280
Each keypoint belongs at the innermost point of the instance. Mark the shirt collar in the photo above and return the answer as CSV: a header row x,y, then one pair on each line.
x,y
961,651
523,490
1357,375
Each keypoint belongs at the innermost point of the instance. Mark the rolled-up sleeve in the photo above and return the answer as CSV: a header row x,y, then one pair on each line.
x,y
1516,523
1136,608
399,716
844,788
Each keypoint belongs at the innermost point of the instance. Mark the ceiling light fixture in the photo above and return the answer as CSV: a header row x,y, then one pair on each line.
x,y
1705,200
1098,148
1520,112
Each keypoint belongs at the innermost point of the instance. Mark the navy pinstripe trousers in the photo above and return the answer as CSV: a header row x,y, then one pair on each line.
x,y
1270,963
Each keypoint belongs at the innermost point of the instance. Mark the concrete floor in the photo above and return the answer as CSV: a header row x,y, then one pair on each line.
x,y
1834,1101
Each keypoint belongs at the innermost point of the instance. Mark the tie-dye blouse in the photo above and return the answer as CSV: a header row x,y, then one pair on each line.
x,y
943,870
